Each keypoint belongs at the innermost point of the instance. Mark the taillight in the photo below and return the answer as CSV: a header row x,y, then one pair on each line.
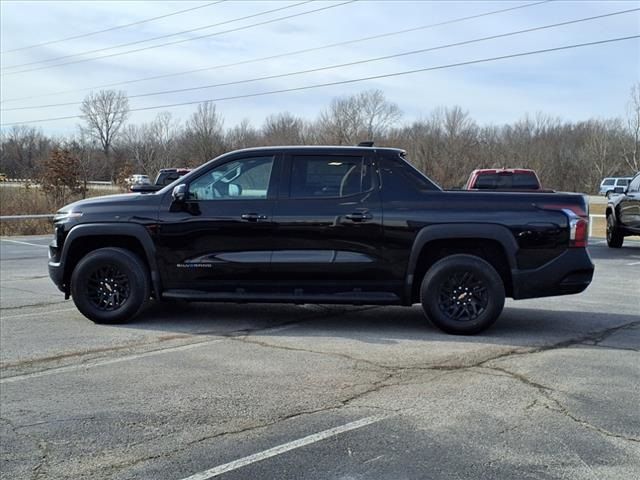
x,y
578,224
578,228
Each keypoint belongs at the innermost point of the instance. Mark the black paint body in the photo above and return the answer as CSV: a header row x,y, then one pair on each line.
x,y
370,247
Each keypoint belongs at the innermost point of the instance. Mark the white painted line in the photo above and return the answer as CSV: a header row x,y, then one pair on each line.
x,y
24,243
633,263
100,363
286,447
34,314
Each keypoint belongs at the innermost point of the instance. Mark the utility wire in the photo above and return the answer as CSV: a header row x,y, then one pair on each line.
x,y
175,42
281,55
354,80
168,35
358,62
117,27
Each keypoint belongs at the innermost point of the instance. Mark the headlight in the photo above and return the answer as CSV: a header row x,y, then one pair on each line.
x,y
64,216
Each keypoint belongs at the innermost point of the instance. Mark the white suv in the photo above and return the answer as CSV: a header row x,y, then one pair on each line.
x,y
608,184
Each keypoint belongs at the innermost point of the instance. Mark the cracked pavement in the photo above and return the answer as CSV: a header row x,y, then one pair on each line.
x,y
551,391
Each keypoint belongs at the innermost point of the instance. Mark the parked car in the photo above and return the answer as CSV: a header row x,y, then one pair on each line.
x,y
164,178
623,213
609,184
342,225
504,179
138,179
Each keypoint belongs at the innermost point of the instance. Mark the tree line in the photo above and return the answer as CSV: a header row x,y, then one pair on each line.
x,y
447,144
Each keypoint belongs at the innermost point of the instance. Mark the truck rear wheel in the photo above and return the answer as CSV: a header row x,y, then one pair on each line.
x,y
462,294
110,285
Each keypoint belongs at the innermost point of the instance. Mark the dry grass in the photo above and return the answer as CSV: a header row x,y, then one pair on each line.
x,y
32,201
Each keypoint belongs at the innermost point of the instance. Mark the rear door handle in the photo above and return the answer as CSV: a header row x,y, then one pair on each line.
x,y
359,216
252,217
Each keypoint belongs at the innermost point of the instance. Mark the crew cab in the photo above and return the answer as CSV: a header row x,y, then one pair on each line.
x,y
505,179
332,225
623,213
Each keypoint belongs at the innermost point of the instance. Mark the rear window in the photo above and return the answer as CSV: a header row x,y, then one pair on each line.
x,y
623,182
507,180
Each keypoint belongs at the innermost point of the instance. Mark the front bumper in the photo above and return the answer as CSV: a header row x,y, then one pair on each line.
x,y
56,267
567,274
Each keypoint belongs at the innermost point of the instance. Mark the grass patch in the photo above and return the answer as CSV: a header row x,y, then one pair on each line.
x,y
19,200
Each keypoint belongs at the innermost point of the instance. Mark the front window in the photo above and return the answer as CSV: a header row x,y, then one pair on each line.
x,y
609,181
247,178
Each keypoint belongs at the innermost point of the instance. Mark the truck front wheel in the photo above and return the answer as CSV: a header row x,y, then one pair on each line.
x,y
110,285
462,294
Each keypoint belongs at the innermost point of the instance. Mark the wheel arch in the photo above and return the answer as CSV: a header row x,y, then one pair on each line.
x,y
493,243
86,238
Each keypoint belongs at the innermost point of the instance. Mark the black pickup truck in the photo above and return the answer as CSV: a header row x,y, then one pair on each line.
x,y
623,213
333,225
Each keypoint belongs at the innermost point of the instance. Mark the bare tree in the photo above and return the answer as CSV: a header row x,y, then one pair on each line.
x,y
365,116
632,151
243,135
104,114
204,134
283,129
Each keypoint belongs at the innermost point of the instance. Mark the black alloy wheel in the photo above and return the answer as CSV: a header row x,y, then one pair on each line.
x,y
462,294
110,285
108,288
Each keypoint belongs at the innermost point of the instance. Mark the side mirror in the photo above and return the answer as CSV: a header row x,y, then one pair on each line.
x,y
619,190
179,193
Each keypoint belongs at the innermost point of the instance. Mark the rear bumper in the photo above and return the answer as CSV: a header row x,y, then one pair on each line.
x,y
567,274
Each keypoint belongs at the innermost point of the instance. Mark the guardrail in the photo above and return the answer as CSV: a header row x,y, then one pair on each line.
x,y
24,217
35,182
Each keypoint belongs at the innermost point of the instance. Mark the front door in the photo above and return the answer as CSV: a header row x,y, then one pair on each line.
x,y
328,236
220,239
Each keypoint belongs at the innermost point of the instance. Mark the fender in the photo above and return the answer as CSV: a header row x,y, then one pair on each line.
x,y
451,231
137,231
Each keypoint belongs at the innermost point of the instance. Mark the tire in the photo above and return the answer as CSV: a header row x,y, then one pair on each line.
x,y
451,280
615,238
608,194
110,285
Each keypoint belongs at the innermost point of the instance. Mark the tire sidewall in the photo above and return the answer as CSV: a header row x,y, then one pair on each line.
x,y
130,265
440,272
615,239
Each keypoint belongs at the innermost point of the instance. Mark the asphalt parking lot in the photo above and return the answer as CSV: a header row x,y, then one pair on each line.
x,y
196,391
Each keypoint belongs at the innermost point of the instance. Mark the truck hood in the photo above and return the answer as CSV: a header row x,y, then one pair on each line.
x,y
112,208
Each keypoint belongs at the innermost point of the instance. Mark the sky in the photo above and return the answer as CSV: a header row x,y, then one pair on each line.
x,y
575,84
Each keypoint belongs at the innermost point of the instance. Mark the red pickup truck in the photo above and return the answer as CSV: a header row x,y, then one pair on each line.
x,y
504,179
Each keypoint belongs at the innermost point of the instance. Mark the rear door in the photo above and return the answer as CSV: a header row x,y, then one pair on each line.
x,y
328,225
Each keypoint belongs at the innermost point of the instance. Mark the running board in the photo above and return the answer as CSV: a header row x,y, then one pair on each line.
x,y
347,298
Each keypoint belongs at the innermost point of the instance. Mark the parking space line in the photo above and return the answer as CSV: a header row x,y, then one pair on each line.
x,y
33,314
24,243
285,447
88,365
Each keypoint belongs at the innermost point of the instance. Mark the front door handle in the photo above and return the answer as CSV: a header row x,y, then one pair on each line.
x,y
253,217
359,216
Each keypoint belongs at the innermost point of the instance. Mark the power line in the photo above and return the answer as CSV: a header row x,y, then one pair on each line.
x,y
281,55
189,39
117,27
358,62
137,42
354,80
